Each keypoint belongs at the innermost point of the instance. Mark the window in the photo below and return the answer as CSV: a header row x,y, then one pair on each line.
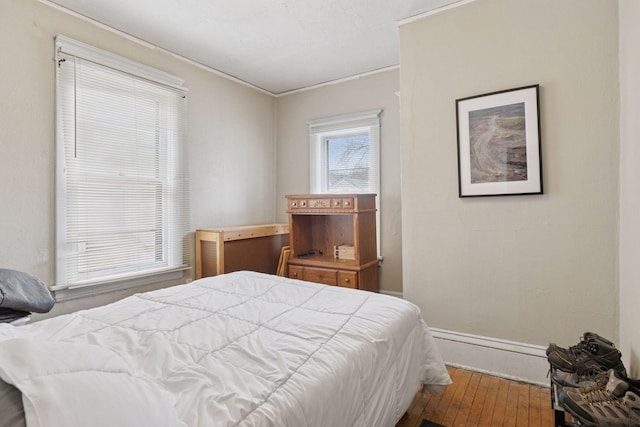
x,y
345,155
122,206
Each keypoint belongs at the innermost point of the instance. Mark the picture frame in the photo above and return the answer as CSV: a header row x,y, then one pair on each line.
x,y
499,150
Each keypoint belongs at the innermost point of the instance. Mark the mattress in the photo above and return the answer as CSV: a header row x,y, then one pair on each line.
x,y
240,349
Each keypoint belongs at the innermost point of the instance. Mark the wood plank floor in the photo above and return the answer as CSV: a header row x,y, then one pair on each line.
x,y
477,400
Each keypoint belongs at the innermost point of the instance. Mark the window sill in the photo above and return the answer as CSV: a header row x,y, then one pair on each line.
x,y
66,294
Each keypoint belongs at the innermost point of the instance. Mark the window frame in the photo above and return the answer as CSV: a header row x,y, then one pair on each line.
x,y
65,288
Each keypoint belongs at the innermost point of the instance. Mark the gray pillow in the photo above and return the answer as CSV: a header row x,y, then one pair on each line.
x,y
21,291
8,315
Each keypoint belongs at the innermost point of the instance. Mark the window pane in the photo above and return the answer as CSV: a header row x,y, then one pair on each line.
x,y
348,163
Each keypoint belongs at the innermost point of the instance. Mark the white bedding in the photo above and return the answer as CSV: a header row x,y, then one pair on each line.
x,y
244,349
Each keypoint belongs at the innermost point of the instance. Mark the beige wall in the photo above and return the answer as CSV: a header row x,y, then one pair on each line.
x,y
230,147
361,94
629,14
535,268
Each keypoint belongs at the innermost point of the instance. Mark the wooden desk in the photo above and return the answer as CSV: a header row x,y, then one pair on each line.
x,y
249,247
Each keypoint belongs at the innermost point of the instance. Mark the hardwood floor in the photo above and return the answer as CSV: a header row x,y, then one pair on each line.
x,y
482,400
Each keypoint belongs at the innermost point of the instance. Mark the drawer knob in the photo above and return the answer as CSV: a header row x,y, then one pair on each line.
x,y
295,274
346,279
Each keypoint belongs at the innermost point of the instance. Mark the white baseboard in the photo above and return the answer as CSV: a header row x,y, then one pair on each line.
x,y
501,358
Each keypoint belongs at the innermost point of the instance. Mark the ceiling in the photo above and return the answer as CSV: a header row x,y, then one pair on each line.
x,y
276,45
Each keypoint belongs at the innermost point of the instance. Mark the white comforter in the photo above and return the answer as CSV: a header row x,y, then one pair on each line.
x,y
243,349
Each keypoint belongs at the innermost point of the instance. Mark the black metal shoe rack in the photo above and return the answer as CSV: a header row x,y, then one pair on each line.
x,y
558,409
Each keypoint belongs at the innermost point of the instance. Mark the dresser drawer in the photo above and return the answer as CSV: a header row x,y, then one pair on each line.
x,y
342,203
319,203
320,275
348,279
326,276
295,272
298,204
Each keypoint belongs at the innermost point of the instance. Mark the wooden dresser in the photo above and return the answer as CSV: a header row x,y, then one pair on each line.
x,y
320,225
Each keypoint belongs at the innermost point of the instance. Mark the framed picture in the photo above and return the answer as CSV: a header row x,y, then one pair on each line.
x,y
499,143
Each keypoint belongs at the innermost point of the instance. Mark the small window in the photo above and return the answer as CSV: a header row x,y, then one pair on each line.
x,y
122,207
345,155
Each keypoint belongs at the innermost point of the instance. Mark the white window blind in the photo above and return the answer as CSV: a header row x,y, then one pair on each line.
x,y
122,205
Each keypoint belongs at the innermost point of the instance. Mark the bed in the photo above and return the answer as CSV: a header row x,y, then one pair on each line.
x,y
239,349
